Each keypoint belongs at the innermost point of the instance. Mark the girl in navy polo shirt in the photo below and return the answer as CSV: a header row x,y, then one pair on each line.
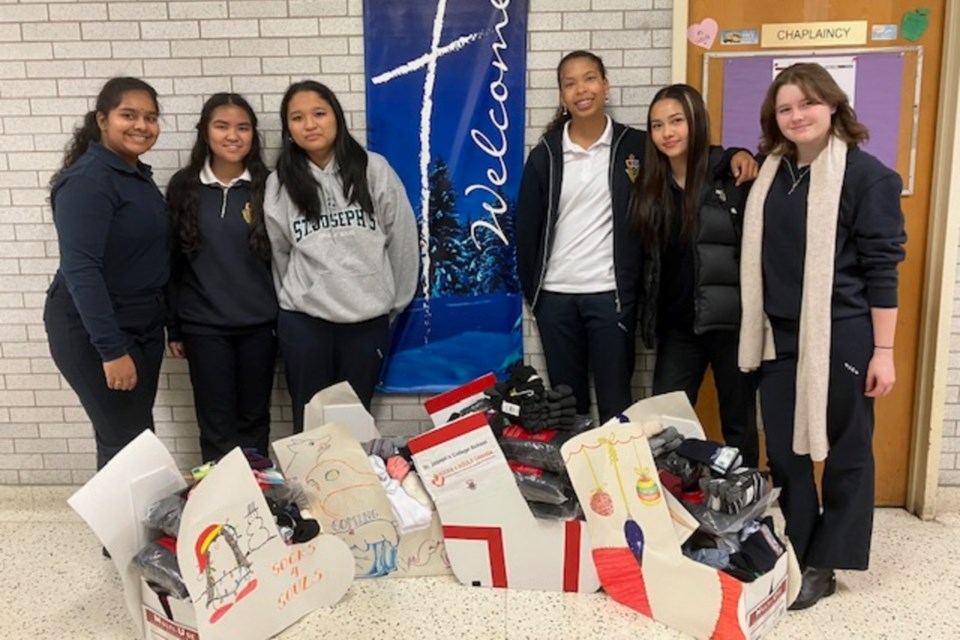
x,y
222,296
104,313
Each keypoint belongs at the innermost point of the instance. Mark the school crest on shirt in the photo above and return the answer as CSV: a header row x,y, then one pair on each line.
x,y
247,213
633,167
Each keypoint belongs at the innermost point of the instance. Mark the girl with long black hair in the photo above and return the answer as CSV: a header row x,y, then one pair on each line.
x,y
688,212
344,244
577,258
105,308
222,296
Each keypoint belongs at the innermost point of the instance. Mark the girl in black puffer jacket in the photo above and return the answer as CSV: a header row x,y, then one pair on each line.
x,y
687,210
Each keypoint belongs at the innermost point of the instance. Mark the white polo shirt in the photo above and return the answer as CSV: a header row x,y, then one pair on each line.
x,y
581,260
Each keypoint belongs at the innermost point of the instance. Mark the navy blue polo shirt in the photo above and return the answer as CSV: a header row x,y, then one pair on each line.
x,y
114,235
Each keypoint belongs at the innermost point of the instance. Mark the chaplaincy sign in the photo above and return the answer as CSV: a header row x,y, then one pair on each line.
x,y
445,87
814,34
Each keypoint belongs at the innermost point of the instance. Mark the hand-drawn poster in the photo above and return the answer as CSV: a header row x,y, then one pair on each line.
x,y
386,533
243,580
445,104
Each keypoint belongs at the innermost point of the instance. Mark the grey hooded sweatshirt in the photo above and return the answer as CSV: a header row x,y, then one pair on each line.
x,y
347,266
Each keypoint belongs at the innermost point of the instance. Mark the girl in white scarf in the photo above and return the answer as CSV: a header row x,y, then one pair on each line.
x,y
823,234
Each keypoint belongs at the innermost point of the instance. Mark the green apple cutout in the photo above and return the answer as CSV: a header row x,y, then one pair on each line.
x,y
914,24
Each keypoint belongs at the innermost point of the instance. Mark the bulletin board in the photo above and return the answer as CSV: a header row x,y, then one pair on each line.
x,y
884,84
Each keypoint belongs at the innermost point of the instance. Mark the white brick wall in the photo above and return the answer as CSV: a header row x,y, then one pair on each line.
x,y
950,452
55,56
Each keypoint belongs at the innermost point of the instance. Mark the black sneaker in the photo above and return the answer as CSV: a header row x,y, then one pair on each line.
x,y
817,583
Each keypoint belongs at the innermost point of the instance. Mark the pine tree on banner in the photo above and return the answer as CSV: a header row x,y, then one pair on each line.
x,y
450,256
495,266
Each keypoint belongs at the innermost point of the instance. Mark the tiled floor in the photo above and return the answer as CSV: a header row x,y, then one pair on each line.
x,y
57,585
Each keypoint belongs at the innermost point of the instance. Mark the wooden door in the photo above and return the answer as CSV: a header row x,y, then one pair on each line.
x,y
894,413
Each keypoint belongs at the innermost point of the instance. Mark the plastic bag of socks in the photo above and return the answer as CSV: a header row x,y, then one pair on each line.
x,y
736,491
664,442
537,485
759,548
569,510
688,471
722,524
164,515
157,563
521,397
483,404
383,447
561,407
293,526
540,450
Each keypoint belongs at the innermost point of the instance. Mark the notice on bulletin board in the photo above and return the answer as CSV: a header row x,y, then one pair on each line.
x,y
875,78
842,68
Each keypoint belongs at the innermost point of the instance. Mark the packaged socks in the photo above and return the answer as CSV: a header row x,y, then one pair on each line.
x,y
719,458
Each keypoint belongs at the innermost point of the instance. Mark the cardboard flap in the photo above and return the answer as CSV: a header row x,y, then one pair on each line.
x,y
243,580
113,504
441,407
349,501
615,478
340,403
667,409
491,536
684,522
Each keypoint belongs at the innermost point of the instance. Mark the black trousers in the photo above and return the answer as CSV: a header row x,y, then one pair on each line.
x,y
232,377
838,535
581,330
682,359
117,416
317,354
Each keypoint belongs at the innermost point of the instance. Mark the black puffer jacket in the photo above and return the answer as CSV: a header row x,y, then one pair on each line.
x,y
716,256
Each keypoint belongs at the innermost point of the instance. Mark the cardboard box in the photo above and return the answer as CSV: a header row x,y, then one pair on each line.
x,y
339,404
244,582
491,536
167,619
636,541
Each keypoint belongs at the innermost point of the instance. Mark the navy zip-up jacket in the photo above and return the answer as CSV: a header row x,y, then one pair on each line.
x,y
537,211
113,231
223,287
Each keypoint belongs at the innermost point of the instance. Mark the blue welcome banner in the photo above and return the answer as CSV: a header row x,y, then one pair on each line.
x,y
445,104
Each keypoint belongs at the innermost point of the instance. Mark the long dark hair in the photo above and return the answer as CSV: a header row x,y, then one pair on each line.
x,y
652,205
183,192
293,171
819,86
561,117
109,98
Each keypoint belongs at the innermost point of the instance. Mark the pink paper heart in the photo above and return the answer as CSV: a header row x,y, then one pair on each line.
x,y
704,33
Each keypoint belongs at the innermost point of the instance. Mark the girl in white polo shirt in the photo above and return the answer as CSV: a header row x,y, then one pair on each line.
x,y
577,258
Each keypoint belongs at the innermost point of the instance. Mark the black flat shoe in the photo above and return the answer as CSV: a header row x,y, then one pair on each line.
x,y
817,583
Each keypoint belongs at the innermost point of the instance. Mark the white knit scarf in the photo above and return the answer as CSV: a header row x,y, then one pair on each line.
x,y
813,348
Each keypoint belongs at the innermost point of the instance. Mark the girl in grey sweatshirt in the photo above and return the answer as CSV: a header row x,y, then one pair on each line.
x,y
344,244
